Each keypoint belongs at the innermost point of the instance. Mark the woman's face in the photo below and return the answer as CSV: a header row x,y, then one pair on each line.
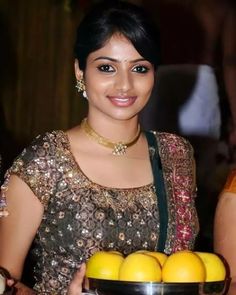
x,y
118,79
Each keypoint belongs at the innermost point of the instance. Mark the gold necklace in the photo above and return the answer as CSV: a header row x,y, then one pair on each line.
x,y
118,148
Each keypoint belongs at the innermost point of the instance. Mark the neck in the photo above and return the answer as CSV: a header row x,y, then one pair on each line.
x,y
114,130
118,147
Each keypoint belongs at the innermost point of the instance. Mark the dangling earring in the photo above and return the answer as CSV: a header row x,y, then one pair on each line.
x,y
81,87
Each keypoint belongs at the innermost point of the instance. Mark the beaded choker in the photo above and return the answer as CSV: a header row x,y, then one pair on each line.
x,y
118,148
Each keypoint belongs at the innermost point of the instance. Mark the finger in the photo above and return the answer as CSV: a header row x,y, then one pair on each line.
x,y
11,282
75,287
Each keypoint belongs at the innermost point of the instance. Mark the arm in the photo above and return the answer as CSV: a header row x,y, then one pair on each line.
x,y
19,228
229,66
225,234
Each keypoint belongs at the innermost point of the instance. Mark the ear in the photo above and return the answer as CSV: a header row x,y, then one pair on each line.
x,y
78,71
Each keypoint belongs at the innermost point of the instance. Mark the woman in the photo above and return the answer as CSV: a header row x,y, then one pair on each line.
x,y
100,185
224,230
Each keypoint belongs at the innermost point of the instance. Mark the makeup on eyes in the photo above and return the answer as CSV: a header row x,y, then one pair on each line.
x,y
108,68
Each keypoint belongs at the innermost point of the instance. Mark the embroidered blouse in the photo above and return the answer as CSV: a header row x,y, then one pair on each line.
x,y
81,217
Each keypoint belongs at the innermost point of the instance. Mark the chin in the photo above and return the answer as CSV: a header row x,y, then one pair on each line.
x,y
124,117
125,114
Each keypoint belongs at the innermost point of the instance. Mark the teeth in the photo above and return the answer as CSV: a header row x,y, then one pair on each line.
x,y
122,99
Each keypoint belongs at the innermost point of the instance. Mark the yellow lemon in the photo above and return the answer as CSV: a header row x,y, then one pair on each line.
x,y
138,267
161,257
104,265
141,251
183,267
116,252
215,268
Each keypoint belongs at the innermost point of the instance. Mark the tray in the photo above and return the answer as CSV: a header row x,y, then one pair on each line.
x,y
109,287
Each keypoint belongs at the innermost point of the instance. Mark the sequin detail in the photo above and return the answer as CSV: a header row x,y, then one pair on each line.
x,y
82,217
3,203
179,169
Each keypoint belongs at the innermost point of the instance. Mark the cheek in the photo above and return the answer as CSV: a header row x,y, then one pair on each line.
x,y
98,84
145,86
150,85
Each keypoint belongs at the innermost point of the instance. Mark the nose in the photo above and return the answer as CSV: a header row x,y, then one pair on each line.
x,y
124,81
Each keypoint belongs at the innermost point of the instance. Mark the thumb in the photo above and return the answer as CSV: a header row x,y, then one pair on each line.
x,y
75,287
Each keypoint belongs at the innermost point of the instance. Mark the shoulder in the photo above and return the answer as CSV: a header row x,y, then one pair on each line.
x,y
41,147
47,141
174,145
37,164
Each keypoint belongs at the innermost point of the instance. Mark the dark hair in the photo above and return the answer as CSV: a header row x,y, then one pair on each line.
x,y
109,17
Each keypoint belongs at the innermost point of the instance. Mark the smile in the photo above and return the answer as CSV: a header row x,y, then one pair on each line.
x,y
122,101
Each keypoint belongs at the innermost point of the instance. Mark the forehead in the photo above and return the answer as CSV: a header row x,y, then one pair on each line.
x,y
118,47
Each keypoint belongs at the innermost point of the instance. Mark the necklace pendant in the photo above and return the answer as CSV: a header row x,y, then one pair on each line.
x,y
119,149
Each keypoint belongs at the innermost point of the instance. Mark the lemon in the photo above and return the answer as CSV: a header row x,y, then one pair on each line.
x,y
215,268
104,265
161,257
139,267
182,267
116,252
141,251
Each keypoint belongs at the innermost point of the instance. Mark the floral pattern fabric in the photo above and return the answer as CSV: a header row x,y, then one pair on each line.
x,y
82,217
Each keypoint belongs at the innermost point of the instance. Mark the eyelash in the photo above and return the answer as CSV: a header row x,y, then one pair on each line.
x,y
142,69
106,68
109,69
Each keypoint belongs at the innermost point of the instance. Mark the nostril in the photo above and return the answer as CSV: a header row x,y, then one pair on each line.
x,y
124,83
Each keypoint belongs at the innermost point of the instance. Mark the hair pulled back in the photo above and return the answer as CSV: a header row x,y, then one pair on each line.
x,y
110,17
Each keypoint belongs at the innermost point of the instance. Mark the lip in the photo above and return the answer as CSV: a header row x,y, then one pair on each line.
x,y
122,101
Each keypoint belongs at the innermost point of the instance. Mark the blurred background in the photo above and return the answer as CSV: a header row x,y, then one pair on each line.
x,y
37,92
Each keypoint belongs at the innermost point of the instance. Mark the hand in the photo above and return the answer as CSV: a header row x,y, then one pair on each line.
x,y
75,287
6,281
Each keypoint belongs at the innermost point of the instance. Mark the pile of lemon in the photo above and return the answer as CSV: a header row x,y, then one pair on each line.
x,y
145,266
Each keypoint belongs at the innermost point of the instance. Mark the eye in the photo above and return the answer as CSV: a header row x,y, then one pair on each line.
x,y
140,69
106,68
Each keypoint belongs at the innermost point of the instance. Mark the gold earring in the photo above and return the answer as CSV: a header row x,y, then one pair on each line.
x,y
80,85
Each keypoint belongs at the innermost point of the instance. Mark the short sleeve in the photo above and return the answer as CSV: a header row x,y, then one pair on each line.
x,y
36,166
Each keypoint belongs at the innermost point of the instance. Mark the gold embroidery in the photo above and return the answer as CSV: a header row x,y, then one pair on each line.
x,y
82,217
3,203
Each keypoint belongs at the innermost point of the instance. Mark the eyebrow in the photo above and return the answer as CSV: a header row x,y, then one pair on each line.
x,y
116,60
